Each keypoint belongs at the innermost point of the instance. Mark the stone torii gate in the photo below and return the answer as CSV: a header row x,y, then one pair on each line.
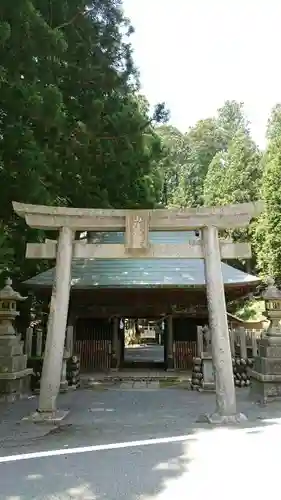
x,y
137,224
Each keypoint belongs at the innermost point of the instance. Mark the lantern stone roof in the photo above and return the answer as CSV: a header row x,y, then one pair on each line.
x,y
142,273
9,293
271,292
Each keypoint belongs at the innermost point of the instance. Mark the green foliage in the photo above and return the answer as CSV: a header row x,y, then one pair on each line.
x,y
185,162
73,129
267,234
234,175
193,159
6,252
207,143
251,310
231,120
202,144
215,163
268,228
173,158
274,123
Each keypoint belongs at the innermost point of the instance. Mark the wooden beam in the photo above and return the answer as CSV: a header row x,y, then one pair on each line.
x,y
190,250
139,310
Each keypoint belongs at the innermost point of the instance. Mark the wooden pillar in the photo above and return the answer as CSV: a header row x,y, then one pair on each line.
x,y
52,366
39,342
115,344
28,342
243,343
222,362
69,340
254,344
170,343
232,341
200,345
63,380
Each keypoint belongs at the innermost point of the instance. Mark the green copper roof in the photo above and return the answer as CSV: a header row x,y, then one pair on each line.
x,y
141,273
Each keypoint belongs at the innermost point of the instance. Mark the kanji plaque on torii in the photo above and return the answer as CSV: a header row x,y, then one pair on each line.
x,y
136,224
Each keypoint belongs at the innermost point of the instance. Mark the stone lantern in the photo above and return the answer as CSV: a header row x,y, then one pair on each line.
x,y
266,373
14,376
8,308
272,298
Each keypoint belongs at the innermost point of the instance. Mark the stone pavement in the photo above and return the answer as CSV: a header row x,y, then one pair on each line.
x,y
145,353
13,431
112,447
114,412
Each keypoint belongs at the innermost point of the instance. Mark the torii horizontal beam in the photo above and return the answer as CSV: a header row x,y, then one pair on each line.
x,y
190,250
224,217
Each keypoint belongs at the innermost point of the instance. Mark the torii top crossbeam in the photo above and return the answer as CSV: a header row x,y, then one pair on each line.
x,y
224,217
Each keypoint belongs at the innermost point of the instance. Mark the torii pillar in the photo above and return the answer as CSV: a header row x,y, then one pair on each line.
x,y
57,323
56,331
226,411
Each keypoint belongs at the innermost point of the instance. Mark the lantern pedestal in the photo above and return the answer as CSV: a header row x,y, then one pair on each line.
x,y
208,373
266,373
14,376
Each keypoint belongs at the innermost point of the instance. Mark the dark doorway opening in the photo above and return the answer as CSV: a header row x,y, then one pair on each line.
x,y
143,343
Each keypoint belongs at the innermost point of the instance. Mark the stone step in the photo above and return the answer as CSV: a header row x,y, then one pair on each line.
x,y
133,380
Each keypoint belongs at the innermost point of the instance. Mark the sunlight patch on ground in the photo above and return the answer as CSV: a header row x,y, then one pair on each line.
x,y
222,461
34,477
82,492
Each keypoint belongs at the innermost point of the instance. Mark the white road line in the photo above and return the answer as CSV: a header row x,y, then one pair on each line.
x,y
101,447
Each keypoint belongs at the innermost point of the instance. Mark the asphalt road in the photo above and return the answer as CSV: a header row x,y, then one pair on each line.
x,y
107,452
145,353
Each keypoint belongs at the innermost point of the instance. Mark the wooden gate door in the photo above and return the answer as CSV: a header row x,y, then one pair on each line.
x,y
93,343
185,331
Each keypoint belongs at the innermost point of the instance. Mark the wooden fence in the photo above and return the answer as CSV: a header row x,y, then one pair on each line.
x,y
244,343
34,342
184,352
94,354
35,339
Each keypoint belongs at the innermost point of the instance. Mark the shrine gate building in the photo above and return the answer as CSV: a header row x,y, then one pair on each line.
x,y
105,292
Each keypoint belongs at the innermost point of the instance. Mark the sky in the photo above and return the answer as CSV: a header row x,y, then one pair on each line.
x,y
196,54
